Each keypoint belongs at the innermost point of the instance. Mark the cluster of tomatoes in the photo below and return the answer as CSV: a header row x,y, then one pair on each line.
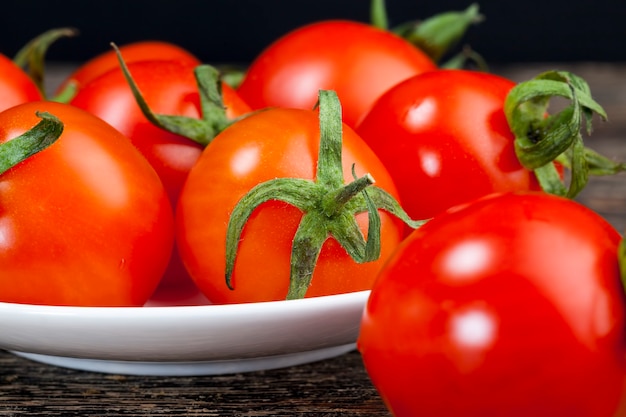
x,y
345,159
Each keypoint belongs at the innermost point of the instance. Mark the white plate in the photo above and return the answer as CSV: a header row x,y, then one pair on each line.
x,y
183,340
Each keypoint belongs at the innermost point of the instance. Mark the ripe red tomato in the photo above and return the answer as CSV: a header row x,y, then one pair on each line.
x,y
444,138
276,143
16,87
356,60
168,87
148,50
85,222
510,305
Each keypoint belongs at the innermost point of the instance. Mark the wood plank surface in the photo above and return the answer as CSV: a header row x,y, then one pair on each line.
x,y
334,387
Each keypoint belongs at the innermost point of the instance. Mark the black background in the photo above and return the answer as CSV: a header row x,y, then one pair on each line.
x,y
234,31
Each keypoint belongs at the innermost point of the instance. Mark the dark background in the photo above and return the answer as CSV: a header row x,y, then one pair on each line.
x,y
234,31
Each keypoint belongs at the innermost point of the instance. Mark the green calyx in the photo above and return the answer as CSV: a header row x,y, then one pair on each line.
x,y
542,139
42,135
329,207
436,35
201,131
31,56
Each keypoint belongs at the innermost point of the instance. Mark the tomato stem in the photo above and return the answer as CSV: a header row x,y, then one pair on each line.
x,y
329,207
201,131
541,139
439,34
67,93
334,200
32,55
42,135
329,168
378,14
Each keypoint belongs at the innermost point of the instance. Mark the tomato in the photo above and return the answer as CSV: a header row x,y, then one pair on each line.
x,y
147,50
85,222
356,60
16,87
274,144
168,87
509,305
445,139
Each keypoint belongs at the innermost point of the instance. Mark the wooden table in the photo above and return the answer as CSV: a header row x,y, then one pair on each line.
x,y
334,387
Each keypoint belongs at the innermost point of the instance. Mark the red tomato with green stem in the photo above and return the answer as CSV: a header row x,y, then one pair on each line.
x,y
446,139
510,305
84,222
168,88
357,60
147,50
266,187
16,87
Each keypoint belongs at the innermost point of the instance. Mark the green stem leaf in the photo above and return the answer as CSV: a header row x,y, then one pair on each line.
x,y
385,201
541,139
298,192
211,101
329,207
41,136
67,93
437,35
372,245
600,165
378,14
307,245
334,201
550,180
201,131
32,55
329,168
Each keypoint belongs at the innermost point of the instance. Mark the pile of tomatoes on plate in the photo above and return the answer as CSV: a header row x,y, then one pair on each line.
x,y
347,156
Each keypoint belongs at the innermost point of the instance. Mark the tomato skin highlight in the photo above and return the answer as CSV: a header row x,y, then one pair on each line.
x,y
444,138
510,305
85,222
355,59
16,87
274,143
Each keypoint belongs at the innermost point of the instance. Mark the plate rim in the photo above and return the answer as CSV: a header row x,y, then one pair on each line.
x,y
189,309
209,333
